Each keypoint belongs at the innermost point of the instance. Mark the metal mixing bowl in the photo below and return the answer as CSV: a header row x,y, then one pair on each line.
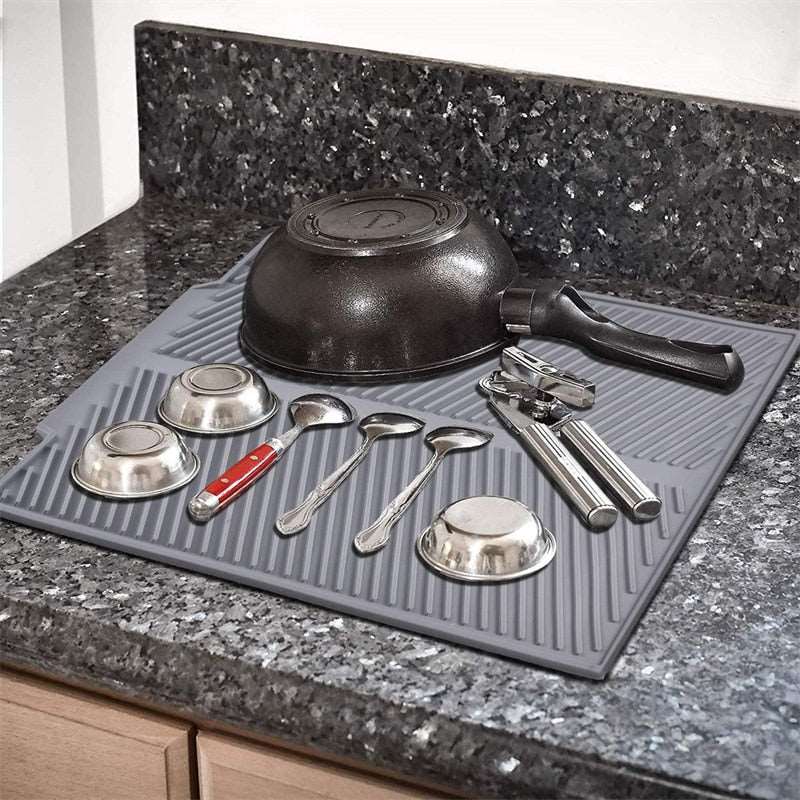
x,y
134,459
217,398
486,539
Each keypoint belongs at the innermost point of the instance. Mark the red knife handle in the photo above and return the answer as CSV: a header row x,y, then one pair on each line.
x,y
234,481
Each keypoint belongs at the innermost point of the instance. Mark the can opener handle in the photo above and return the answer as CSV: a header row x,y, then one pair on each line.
x,y
542,390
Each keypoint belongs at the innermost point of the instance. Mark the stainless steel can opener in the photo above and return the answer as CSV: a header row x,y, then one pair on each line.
x,y
531,397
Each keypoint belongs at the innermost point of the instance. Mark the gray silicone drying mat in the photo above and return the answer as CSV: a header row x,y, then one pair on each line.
x,y
574,616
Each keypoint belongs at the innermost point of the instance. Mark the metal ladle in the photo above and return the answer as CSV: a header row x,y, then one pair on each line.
x,y
373,426
307,411
443,441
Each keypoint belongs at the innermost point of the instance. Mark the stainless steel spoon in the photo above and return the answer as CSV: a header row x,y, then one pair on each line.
x,y
373,426
307,411
443,441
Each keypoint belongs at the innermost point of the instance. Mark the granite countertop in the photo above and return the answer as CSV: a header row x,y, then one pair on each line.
x,y
703,702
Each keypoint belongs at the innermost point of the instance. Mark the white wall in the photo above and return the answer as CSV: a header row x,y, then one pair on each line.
x,y
36,195
742,50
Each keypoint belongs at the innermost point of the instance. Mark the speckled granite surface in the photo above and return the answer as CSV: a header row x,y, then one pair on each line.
x,y
703,702
592,179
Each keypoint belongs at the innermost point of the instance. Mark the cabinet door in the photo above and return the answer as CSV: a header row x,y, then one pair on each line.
x,y
64,744
231,769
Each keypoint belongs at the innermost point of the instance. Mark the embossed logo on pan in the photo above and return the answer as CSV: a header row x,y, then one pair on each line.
x,y
376,218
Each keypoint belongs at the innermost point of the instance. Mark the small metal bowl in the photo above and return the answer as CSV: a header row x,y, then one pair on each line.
x,y
216,399
486,539
134,459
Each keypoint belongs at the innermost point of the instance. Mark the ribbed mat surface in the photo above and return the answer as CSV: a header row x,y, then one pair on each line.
x,y
574,616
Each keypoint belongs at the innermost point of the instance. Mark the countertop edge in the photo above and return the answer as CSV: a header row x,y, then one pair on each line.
x,y
103,671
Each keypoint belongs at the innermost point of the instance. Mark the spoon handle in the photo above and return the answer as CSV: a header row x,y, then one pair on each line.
x,y
296,519
376,535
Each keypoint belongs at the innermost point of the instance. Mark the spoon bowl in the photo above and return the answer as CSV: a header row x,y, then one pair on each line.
x,y
373,426
319,409
443,440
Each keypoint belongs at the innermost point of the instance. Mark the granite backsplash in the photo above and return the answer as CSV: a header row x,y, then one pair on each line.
x,y
588,179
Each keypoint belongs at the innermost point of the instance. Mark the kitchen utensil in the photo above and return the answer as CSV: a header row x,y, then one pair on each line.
x,y
486,539
217,398
443,441
593,505
540,418
556,385
390,284
548,379
307,411
134,459
373,426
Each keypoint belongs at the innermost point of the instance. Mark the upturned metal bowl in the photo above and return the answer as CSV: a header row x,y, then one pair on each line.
x,y
486,539
217,399
134,459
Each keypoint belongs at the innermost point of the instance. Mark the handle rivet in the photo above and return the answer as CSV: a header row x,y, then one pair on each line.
x,y
254,458
224,480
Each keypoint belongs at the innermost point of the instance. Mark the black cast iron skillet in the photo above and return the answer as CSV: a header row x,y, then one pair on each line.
x,y
388,285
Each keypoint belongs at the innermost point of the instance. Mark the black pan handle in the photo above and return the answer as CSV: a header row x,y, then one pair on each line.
x,y
555,308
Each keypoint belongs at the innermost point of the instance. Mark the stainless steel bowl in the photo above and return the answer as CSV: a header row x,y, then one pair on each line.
x,y
217,398
134,459
486,539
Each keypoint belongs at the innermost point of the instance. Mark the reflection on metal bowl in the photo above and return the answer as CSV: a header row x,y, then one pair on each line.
x,y
486,539
134,459
216,399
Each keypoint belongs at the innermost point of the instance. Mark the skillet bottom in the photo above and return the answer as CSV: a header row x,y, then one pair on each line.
x,y
376,376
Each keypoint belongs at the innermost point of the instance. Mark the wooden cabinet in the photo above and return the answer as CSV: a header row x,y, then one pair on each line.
x,y
234,769
64,744
59,743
